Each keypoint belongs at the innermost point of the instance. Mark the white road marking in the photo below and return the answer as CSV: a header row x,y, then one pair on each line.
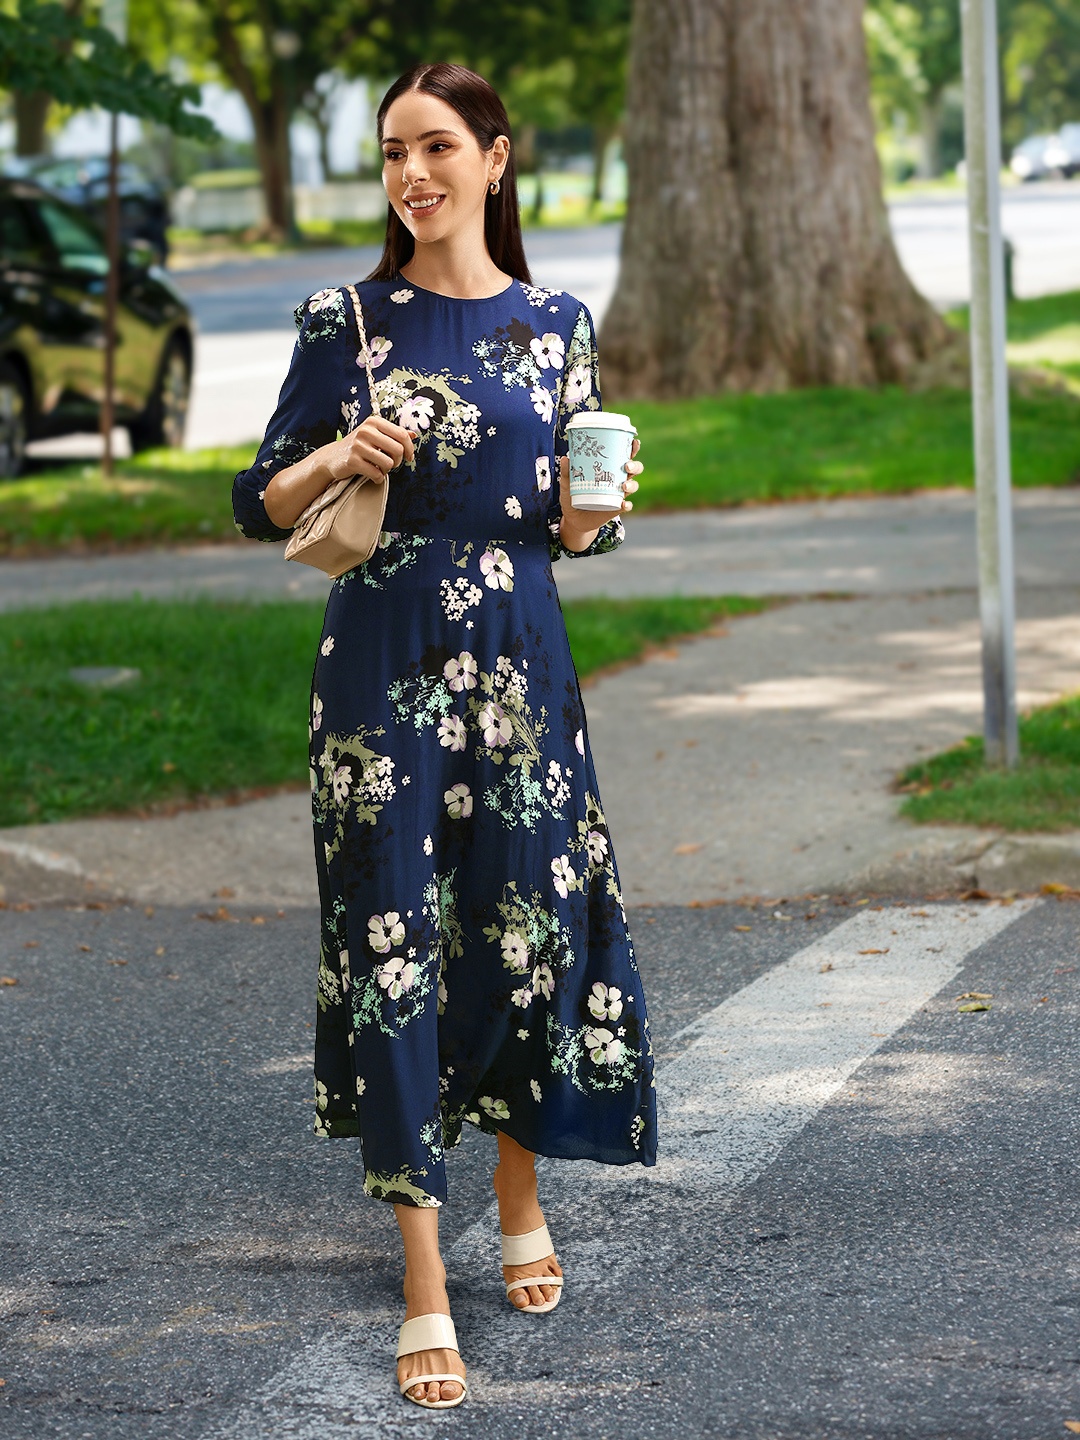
x,y
756,1070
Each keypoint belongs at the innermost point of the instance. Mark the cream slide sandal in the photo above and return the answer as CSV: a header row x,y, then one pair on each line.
x,y
429,1332
526,1250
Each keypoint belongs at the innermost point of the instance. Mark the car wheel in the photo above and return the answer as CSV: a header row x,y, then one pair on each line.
x,y
13,421
162,422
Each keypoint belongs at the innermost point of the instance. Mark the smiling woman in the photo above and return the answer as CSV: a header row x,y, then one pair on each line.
x,y
476,963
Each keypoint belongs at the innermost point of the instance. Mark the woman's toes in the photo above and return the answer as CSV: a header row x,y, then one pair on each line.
x,y
450,1390
520,1298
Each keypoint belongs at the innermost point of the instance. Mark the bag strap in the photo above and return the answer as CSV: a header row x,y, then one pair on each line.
x,y
358,311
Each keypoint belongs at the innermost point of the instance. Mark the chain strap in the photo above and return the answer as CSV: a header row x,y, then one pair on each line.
x,y
365,349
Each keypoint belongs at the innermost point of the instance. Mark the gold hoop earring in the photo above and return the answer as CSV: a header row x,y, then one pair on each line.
x,y
494,187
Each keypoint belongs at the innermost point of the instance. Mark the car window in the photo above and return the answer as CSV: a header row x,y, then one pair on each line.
x,y
17,241
77,245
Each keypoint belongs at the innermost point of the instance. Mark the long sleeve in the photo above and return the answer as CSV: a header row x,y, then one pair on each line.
x,y
580,390
308,413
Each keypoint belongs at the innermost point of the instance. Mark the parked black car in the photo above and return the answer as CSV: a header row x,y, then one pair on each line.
x,y
84,183
52,317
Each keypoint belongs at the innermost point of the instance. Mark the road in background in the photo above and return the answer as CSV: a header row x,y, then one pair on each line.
x,y
244,308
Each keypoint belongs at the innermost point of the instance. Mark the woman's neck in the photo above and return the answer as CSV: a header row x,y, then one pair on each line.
x,y
466,273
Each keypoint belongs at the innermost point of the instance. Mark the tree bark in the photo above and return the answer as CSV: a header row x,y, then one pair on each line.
x,y
31,113
756,253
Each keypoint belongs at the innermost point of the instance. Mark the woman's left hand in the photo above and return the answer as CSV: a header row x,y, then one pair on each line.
x,y
585,523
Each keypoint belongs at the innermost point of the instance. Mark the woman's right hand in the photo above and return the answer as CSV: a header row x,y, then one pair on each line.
x,y
372,450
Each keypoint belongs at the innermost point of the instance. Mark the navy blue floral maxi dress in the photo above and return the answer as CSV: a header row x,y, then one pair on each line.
x,y
475,959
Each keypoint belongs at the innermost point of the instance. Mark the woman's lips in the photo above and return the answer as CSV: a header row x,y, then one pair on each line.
x,y
425,209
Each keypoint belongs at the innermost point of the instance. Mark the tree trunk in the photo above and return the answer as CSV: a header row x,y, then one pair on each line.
x,y
756,253
31,112
930,114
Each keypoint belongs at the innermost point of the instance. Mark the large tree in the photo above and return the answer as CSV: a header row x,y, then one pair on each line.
x,y
756,253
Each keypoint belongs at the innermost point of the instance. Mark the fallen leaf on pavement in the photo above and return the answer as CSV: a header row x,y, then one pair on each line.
x,y
691,848
160,950
976,895
8,980
743,927
875,952
1073,1425
975,1005
225,893
86,949
219,914
976,995
31,944
118,962
1065,970
924,913
1055,887
827,966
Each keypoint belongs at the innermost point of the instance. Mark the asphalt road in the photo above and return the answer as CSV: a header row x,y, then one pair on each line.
x,y
244,309
862,1226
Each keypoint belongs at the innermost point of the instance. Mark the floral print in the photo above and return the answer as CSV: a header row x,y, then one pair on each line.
x,y
474,964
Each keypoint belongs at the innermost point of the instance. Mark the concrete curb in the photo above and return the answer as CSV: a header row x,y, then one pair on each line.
x,y
976,860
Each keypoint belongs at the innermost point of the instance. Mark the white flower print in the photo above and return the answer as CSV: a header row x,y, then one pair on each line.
x,y
458,596
327,645
342,782
452,732
542,403
523,997
533,1086
523,1034
491,430
549,351
346,977
361,1085
460,674
321,1097
578,386
395,977
605,1002
322,300
512,506
554,309
377,351
597,845
417,413
564,874
495,723
543,472
316,712
402,297
602,1046
497,1109
458,801
428,846
515,951
385,931
543,982
560,791
579,742
498,569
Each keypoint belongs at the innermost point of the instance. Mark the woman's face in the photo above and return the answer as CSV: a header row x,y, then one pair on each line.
x,y
431,155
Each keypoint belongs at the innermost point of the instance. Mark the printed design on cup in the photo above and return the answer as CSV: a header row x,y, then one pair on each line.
x,y
599,447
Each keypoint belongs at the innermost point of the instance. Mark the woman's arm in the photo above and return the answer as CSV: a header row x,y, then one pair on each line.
x,y
582,532
301,454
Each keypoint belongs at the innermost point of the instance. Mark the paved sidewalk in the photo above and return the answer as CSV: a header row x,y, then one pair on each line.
x,y
752,762
869,546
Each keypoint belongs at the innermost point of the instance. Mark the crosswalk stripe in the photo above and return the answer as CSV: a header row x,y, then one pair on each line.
x,y
754,1071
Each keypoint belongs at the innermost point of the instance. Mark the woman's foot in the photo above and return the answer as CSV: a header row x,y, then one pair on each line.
x,y
520,1213
428,1296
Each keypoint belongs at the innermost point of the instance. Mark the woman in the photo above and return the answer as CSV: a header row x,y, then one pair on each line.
x,y
475,961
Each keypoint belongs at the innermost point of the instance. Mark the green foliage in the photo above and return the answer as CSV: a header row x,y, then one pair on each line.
x,y
1042,793
80,64
221,703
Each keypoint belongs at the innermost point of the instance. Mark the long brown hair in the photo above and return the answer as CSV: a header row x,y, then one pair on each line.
x,y
485,115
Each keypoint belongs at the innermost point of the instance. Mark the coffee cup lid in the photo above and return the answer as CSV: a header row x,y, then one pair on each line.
x,y
602,419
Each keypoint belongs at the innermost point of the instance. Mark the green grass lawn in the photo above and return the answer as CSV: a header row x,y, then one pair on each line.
x,y
712,451
221,705
1042,793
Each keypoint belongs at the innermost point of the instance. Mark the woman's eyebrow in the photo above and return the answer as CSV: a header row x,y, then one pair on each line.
x,y
395,140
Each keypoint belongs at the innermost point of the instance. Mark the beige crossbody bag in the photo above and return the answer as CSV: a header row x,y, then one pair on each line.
x,y
340,528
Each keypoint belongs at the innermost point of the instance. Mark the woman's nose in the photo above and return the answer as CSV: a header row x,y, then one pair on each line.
x,y
414,170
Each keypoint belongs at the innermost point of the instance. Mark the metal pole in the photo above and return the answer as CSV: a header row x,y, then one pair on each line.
x,y
112,296
113,17
989,381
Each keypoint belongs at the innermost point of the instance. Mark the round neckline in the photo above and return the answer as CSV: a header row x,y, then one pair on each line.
x,y
461,299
